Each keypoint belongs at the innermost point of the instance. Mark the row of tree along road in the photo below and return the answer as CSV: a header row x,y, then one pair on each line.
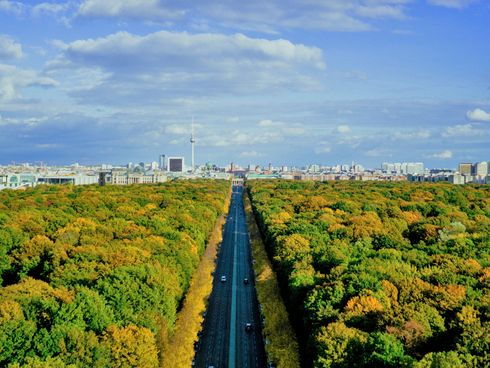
x,y
94,276
381,274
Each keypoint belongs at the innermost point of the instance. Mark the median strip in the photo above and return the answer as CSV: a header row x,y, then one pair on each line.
x,y
232,346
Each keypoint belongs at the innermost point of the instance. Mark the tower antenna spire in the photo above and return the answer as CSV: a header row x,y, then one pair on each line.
x,y
193,141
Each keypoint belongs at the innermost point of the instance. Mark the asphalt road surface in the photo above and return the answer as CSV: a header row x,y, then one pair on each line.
x,y
224,341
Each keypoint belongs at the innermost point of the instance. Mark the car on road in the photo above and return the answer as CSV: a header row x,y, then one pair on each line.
x,y
223,278
248,327
245,281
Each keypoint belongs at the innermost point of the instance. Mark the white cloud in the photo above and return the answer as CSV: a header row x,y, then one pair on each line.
x,y
294,130
174,63
181,129
380,11
478,115
12,79
13,7
133,9
173,48
233,119
343,129
333,15
282,127
412,135
462,130
50,8
268,123
446,154
379,152
352,141
239,138
9,48
458,4
355,75
255,15
32,121
323,147
19,8
46,146
250,154
178,129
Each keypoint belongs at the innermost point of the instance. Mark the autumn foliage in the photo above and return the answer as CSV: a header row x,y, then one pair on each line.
x,y
94,276
381,274
282,345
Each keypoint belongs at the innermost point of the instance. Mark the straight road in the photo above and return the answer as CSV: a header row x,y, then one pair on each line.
x,y
224,341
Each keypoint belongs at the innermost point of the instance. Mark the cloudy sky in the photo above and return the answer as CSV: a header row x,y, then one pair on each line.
x,y
284,81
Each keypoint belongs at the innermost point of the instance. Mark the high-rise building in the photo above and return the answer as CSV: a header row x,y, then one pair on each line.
x,y
162,162
357,168
414,168
481,168
406,168
314,168
465,168
175,164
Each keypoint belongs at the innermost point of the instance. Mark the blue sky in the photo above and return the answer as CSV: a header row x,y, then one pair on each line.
x,y
284,81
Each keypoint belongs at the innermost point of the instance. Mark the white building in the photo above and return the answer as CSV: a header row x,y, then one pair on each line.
x,y
414,168
123,178
481,168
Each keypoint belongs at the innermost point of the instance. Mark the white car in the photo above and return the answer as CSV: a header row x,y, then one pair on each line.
x,y
223,278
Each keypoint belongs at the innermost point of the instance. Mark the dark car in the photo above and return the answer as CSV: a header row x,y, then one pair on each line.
x,y
248,327
245,281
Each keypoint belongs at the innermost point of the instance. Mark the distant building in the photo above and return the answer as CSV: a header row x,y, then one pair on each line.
x,y
76,179
457,178
124,178
17,180
465,168
255,176
251,167
25,180
406,168
162,162
314,168
175,164
356,168
413,168
154,165
481,169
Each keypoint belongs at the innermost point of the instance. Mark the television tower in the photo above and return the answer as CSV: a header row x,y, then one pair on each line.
x,y
192,140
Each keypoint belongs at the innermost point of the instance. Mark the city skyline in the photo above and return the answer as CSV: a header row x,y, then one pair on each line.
x,y
112,81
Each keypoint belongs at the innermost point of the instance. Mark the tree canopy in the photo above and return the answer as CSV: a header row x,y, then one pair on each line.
x,y
382,274
91,276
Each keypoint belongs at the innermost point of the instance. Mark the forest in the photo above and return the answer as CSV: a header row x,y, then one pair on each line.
x,y
94,276
381,274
